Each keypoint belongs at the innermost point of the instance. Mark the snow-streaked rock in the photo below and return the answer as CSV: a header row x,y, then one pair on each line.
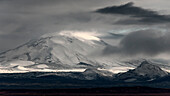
x,y
146,71
149,69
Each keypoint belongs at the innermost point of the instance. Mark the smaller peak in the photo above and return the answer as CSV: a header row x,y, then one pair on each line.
x,y
145,62
129,4
149,69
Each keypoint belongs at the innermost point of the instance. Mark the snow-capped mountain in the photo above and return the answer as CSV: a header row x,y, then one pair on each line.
x,y
64,50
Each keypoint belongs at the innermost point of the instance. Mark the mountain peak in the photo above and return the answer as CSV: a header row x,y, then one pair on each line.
x,y
144,63
149,69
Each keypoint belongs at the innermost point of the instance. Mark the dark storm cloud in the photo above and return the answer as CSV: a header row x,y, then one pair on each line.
x,y
141,15
146,42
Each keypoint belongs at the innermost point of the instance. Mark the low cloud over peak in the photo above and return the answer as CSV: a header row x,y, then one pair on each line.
x,y
146,42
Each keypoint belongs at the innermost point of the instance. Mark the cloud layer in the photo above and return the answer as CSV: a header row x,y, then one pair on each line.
x,y
22,20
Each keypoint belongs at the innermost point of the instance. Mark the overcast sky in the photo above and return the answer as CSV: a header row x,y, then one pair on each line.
x,y
147,20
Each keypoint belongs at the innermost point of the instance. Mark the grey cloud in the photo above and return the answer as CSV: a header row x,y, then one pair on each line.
x,y
141,15
145,42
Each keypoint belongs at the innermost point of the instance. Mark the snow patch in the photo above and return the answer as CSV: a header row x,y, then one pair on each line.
x,y
21,63
116,70
167,70
42,66
82,35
